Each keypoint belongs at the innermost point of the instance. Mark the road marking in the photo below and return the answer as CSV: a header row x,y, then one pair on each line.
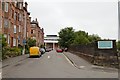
x,y
0,75
69,60
81,66
48,57
36,58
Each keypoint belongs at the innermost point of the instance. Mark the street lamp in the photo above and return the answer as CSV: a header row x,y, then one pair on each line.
x,y
118,20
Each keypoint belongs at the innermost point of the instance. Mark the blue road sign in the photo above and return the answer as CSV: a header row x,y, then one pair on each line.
x,y
24,41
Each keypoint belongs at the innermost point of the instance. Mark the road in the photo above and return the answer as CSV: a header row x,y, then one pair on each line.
x,y
51,65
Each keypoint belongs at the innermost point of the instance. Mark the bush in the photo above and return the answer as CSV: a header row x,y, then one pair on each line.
x,y
10,52
4,43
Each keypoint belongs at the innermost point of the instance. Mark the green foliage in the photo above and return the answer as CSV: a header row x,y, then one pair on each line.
x,y
4,43
118,45
81,37
10,52
93,38
66,36
31,42
0,46
42,46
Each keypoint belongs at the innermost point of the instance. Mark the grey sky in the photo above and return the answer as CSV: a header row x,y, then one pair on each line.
x,y
93,16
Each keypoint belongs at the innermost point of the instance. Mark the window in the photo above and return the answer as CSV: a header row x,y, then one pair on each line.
x,y
0,22
3,6
15,14
19,28
6,7
20,5
18,39
33,25
15,3
32,31
6,23
14,42
15,29
20,17
8,39
10,11
9,24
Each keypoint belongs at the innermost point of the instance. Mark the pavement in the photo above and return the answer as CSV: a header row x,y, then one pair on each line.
x,y
50,65
11,62
14,60
80,63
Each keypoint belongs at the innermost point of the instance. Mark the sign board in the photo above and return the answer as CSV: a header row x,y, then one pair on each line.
x,y
105,44
24,41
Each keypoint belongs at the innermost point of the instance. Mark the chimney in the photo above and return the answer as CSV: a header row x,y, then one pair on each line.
x,y
36,19
42,30
26,5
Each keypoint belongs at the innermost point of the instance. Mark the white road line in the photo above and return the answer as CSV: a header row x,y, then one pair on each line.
x,y
81,67
0,75
48,57
68,60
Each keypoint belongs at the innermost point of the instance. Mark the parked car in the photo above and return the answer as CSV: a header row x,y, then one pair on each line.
x,y
48,49
34,51
42,50
66,49
59,50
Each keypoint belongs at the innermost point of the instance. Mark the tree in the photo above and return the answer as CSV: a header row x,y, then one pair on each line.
x,y
93,37
31,42
66,36
81,37
118,45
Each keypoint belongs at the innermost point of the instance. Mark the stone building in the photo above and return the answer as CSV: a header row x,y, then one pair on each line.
x,y
51,41
0,17
37,33
14,22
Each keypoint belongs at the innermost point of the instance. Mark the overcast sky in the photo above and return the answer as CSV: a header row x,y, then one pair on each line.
x,y
93,16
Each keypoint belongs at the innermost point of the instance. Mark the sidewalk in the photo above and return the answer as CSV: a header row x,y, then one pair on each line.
x,y
14,60
80,63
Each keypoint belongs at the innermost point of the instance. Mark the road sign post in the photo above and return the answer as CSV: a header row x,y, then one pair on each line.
x,y
24,43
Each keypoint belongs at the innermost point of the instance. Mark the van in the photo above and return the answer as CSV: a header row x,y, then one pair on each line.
x,y
34,51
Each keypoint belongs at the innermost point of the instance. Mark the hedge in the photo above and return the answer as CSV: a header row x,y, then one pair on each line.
x,y
8,52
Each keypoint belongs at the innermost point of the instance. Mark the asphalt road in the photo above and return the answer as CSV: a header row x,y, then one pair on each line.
x,y
51,65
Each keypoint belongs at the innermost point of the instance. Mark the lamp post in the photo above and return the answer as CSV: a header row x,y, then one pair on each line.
x,y
118,20
25,25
